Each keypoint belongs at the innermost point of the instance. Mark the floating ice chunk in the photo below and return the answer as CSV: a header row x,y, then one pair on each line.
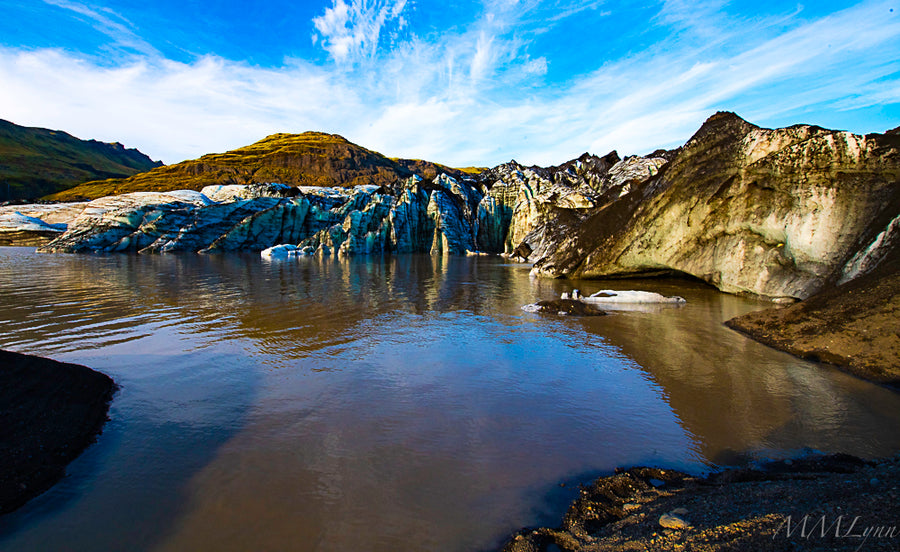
x,y
612,296
281,252
640,301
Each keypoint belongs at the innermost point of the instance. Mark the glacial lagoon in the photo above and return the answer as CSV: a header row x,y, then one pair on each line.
x,y
390,403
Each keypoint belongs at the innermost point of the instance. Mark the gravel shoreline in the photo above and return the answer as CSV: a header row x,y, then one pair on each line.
x,y
834,502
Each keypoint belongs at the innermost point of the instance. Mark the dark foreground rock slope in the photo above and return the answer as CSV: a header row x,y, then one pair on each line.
x,y
777,507
50,411
35,162
307,159
778,213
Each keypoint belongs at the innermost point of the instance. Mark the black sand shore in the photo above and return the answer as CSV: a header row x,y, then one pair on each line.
x,y
50,411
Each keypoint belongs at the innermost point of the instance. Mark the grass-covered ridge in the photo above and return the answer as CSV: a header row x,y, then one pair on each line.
x,y
37,161
307,159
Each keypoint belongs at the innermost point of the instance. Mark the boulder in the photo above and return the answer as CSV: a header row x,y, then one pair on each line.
x,y
564,307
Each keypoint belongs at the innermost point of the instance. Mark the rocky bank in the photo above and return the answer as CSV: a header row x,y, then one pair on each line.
x,y
835,503
51,412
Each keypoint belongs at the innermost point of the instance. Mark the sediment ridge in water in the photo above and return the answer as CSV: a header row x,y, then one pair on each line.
x,y
855,326
835,502
51,412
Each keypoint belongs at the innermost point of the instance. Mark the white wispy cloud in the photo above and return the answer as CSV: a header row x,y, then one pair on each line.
x,y
354,31
822,62
475,95
111,24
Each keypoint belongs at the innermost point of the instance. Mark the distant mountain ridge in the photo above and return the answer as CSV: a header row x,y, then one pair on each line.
x,y
307,159
35,161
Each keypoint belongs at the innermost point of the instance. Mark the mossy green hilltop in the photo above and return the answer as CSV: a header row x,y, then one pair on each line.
x,y
307,159
39,161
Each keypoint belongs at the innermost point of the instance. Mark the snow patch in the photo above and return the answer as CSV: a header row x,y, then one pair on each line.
x,y
336,192
226,193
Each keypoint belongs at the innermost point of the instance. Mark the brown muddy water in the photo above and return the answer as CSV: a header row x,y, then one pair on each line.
x,y
402,403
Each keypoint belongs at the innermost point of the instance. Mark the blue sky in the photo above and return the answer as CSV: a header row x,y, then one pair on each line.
x,y
458,82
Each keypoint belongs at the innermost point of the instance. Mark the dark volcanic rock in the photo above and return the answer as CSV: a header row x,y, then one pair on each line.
x,y
429,170
51,412
571,307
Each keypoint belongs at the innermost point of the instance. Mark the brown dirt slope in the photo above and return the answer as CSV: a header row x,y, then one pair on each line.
x,y
50,411
738,510
855,326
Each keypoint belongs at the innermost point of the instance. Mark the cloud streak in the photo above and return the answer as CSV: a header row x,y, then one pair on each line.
x,y
476,95
111,24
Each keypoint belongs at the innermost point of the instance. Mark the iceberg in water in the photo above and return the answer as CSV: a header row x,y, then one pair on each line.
x,y
284,251
607,296
639,301
606,300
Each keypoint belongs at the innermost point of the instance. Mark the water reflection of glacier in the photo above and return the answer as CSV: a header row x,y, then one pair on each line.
x,y
269,404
